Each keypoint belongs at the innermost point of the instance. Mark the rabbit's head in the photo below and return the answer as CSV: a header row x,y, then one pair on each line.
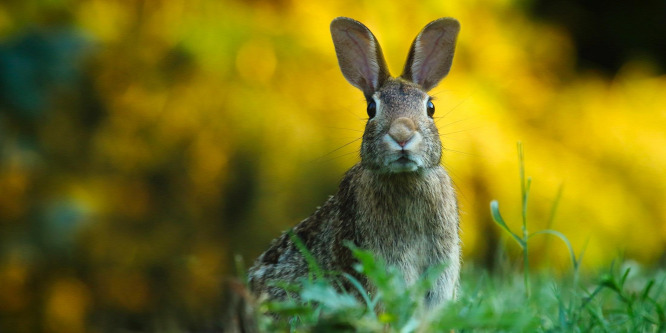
x,y
400,135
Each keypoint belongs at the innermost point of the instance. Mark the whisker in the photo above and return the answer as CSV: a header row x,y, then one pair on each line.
x,y
347,129
456,132
451,123
460,103
449,139
340,156
454,180
348,108
459,152
333,151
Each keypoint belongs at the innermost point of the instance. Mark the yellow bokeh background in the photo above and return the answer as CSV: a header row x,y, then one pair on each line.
x,y
216,125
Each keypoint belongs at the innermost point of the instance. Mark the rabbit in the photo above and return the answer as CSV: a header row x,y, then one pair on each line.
x,y
398,202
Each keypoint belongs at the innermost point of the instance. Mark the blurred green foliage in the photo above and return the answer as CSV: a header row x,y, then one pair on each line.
x,y
143,143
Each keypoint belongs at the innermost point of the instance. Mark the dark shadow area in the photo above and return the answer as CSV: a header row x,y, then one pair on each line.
x,y
607,34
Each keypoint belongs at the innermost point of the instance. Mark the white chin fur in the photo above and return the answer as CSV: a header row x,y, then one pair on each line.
x,y
400,165
397,167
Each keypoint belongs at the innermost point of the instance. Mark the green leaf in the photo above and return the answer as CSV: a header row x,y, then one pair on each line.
x,y
324,294
624,276
364,293
556,203
497,217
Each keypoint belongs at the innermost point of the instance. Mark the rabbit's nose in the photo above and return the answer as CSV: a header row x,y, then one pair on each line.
x,y
402,130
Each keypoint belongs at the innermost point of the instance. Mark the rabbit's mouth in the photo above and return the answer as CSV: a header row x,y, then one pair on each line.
x,y
404,160
404,163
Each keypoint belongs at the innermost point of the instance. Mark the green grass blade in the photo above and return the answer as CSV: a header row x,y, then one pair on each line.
x,y
551,220
624,277
646,290
525,191
564,238
556,204
362,292
309,258
524,187
660,314
497,217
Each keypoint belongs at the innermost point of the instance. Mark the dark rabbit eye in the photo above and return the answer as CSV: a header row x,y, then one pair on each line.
x,y
431,109
372,109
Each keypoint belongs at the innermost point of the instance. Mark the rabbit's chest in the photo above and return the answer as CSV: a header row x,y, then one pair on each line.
x,y
412,224
409,244
412,258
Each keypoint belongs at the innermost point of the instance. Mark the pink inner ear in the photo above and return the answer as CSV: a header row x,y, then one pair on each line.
x,y
362,60
426,58
361,57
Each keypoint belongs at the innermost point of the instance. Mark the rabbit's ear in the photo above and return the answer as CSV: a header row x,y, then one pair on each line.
x,y
431,54
359,55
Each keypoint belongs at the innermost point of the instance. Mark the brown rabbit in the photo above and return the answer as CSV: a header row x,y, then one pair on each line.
x,y
398,202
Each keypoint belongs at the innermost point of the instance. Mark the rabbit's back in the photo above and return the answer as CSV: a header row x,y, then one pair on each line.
x,y
284,261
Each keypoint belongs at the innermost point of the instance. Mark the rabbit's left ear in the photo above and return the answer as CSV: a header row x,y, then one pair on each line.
x,y
431,54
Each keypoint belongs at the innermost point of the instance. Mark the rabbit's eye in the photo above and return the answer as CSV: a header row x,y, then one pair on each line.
x,y
372,109
431,109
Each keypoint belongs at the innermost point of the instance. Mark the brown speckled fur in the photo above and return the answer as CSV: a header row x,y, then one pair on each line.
x,y
403,212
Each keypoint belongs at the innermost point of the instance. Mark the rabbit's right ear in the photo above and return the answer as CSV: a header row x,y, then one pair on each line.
x,y
359,55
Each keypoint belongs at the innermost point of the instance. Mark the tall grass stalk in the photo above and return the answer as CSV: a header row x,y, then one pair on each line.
x,y
524,191
525,184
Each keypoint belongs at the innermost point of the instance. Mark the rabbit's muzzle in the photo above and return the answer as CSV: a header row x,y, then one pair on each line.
x,y
403,146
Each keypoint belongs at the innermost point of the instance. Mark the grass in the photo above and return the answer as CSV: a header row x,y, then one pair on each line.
x,y
623,298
